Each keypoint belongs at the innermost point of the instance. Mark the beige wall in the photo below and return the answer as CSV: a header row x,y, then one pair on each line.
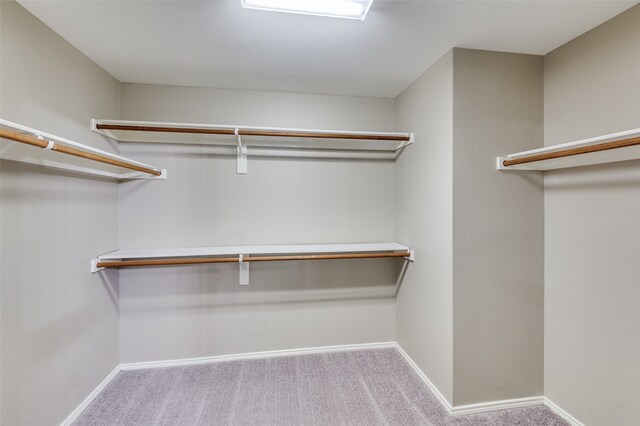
x,y
498,228
201,311
59,323
592,339
424,221
470,310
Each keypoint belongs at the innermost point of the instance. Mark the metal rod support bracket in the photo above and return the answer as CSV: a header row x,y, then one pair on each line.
x,y
500,163
520,167
241,151
94,266
244,270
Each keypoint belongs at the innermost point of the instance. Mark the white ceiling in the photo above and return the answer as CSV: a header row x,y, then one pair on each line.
x,y
219,44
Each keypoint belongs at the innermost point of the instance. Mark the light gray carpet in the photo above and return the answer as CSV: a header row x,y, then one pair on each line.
x,y
363,387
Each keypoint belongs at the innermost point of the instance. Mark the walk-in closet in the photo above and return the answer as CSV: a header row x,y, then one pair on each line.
x,y
305,212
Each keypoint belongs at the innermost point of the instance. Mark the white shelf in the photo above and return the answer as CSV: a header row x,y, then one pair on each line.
x,y
279,142
244,255
253,250
49,157
585,159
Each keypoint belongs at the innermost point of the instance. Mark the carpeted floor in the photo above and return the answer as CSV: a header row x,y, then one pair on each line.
x,y
362,387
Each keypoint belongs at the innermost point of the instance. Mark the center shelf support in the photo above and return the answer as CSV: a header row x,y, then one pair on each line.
x,y
241,150
243,271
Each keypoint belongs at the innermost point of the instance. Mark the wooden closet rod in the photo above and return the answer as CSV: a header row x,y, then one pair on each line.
x,y
574,151
236,259
272,133
30,140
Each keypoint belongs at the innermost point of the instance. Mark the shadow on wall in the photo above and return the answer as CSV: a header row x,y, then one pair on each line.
x,y
620,175
531,177
17,168
204,286
203,152
110,280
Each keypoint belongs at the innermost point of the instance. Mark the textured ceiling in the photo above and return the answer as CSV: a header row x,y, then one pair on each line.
x,y
219,44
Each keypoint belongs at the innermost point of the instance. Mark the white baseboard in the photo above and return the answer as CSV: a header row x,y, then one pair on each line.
x,y
254,355
488,406
89,399
496,405
220,358
434,390
455,411
562,413
471,408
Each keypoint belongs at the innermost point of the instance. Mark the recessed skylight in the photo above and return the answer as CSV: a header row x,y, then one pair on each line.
x,y
349,9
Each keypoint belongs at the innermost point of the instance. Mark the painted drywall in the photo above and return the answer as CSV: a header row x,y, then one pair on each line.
x,y
470,311
59,323
498,228
592,342
169,313
424,203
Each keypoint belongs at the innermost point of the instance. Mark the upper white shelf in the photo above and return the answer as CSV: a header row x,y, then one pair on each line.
x,y
28,145
620,146
262,141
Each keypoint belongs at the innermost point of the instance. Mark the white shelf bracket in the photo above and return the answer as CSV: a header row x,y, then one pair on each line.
x,y
241,151
94,266
499,163
244,270
410,141
50,144
412,256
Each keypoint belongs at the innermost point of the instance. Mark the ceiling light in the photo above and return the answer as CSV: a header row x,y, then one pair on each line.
x,y
350,9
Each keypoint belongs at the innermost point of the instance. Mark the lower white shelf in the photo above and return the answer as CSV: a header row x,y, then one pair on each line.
x,y
243,255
